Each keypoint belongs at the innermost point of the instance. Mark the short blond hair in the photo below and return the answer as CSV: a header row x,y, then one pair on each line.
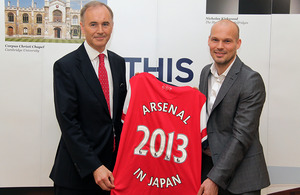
x,y
226,21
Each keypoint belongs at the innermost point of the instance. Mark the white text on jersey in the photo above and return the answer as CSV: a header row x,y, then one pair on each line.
x,y
165,107
158,182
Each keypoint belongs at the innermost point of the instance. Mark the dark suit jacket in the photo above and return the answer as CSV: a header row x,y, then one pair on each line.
x,y
232,128
82,113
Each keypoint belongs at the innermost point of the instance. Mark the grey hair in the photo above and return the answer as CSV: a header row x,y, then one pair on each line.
x,y
94,4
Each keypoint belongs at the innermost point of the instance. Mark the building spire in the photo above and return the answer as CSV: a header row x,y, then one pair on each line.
x,y
68,3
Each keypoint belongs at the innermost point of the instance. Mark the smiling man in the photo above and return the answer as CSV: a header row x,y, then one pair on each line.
x,y
97,25
223,43
89,93
234,161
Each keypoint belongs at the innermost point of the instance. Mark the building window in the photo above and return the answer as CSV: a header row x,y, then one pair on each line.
x,y
75,20
10,17
25,18
39,31
25,31
39,19
57,16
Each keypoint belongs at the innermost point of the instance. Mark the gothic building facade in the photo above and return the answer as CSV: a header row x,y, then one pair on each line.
x,y
56,19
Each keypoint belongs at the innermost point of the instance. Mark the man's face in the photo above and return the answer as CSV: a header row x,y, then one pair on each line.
x,y
223,43
97,26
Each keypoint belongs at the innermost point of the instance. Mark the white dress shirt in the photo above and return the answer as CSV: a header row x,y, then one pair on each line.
x,y
93,55
215,82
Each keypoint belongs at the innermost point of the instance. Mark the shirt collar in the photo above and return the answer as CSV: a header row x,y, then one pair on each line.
x,y
92,53
214,71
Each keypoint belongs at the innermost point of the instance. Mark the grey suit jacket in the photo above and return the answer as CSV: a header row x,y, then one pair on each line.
x,y
232,127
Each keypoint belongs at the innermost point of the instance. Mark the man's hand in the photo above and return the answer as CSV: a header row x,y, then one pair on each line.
x,y
104,178
208,187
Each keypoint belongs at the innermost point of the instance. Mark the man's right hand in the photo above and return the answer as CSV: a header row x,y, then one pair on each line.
x,y
104,178
208,187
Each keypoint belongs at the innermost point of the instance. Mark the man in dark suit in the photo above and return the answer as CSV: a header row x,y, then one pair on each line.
x,y
234,162
88,111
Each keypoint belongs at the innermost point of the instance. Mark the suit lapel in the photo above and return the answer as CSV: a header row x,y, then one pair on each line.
x,y
228,82
205,80
114,71
86,68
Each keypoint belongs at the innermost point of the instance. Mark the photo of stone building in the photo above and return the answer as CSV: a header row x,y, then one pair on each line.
x,y
54,20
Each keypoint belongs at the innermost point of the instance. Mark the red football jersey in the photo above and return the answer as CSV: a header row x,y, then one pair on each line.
x,y
160,148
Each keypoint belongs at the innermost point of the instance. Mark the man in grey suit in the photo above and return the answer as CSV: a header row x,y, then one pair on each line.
x,y
234,162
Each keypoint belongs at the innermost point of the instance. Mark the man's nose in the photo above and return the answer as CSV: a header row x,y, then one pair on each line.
x,y
100,29
220,45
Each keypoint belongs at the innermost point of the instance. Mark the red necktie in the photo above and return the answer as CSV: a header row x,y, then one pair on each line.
x,y
103,78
